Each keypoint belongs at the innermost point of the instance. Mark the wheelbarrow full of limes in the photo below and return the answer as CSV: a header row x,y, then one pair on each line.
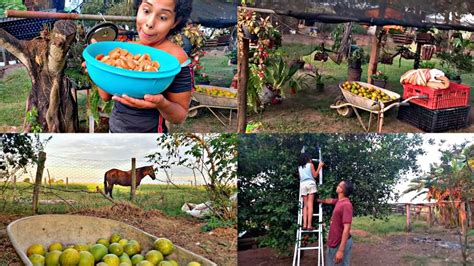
x,y
85,240
367,97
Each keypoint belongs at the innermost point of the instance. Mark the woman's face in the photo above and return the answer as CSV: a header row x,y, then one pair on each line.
x,y
155,19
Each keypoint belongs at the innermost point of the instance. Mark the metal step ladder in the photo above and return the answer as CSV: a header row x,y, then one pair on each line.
x,y
300,232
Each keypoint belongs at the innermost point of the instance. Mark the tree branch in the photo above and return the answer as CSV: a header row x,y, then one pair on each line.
x,y
15,47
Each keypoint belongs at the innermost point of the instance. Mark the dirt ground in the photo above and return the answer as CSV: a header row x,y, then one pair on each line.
x,y
396,250
314,115
219,245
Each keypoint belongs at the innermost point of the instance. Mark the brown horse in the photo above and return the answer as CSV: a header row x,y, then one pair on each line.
x,y
124,178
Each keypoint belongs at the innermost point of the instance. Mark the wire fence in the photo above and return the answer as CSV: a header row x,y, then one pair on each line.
x,y
67,170
59,184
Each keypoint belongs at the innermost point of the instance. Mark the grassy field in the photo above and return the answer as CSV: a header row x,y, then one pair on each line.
x,y
393,224
14,90
167,199
220,73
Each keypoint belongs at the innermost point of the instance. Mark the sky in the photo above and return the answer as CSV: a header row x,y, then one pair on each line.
x,y
84,158
432,156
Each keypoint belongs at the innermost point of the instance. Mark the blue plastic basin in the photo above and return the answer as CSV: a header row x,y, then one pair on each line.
x,y
118,81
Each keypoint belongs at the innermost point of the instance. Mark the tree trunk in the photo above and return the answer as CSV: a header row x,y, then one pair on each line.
x,y
45,59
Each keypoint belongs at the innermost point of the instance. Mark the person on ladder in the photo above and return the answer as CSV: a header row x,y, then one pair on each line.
x,y
339,237
308,187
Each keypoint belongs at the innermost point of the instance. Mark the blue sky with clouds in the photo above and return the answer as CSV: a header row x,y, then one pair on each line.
x,y
86,157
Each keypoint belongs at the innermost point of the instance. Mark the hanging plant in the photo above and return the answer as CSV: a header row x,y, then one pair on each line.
x,y
191,38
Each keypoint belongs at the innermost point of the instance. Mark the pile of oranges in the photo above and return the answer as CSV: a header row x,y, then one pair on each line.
x,y
121,58
371,92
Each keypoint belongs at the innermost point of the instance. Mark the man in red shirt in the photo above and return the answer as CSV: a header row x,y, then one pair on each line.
x,y
339,238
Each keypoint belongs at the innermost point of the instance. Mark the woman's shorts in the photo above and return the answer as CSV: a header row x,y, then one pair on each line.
x,y
308,187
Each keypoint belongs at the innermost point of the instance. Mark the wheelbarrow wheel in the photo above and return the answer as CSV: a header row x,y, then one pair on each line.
x,y
195,112
345,111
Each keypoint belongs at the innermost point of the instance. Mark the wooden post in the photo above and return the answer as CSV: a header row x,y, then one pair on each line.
x,y
49,179
14,183
408,226
243,57
416,65
430,217
462,217
374,53
39,176
67,182
134,177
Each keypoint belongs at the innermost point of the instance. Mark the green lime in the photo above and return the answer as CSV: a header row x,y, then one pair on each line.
x,y
86,259
116,248
52,258
69,257
154,256
115,238
36,249
164,245
111,260
36,259
98,251
55,246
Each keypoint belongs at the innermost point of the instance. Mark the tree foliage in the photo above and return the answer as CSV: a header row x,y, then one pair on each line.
x,y
212,156
269,183
17,151
451,184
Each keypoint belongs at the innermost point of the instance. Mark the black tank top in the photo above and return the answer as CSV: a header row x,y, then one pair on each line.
x,y
127,119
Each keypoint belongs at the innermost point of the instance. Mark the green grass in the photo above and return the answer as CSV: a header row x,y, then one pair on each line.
x,y
220,73
14,90
393,224
167,199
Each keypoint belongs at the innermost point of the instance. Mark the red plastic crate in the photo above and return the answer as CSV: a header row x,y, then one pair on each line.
x,y
457,95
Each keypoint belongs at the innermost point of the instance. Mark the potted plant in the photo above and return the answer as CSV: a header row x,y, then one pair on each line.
x,y
379,79
319,81
278,75
458,61
232,55
424,36
355,62
400,37
191,38
202,79
275,38
357,58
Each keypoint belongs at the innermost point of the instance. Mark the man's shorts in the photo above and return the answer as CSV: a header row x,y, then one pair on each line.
x,y
308,187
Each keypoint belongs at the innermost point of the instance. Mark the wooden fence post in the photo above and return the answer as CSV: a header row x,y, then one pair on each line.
x,y
462,217
374,53
14,183
408,226
39,176
134,177
243,71
67,182
430,217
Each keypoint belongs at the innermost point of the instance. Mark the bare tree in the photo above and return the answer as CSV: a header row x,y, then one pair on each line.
x,y
45,59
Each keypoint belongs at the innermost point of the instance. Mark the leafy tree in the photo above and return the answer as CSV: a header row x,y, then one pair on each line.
x,y
451,184
269,184
212,156
18,151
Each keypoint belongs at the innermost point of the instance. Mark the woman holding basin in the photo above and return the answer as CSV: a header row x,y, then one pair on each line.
x,y
146,113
